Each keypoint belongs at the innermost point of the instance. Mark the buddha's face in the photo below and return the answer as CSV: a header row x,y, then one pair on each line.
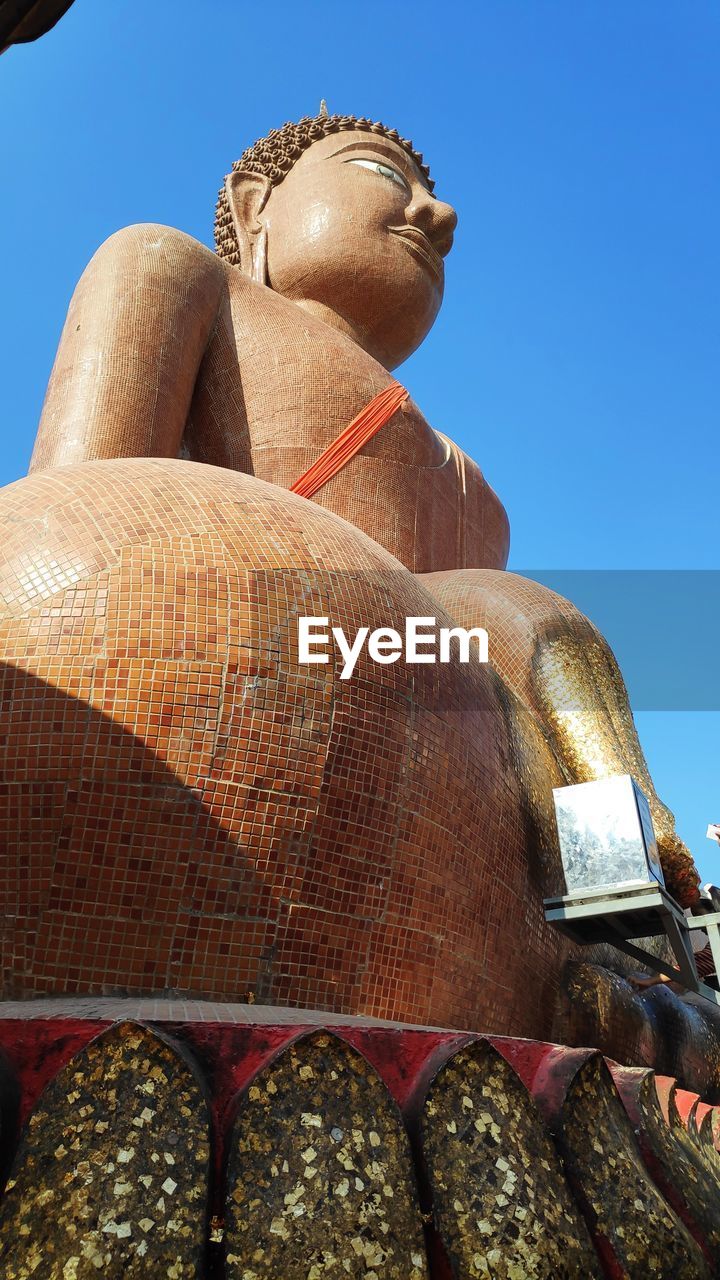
x,y
353,228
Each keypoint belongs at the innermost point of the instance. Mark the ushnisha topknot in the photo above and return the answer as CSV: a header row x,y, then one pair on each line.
x,y
275,155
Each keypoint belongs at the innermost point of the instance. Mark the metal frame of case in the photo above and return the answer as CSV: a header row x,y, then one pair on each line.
x,y
617,914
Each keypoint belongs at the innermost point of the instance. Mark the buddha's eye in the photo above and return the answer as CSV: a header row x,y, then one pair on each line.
x,y
385,171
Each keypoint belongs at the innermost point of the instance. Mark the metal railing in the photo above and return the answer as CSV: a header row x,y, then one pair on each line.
x,y
620,914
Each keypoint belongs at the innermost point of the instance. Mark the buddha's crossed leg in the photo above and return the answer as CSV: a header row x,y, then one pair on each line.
x,y
563,671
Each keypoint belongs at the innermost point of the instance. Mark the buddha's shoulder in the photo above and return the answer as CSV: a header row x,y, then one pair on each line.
x,y
151,251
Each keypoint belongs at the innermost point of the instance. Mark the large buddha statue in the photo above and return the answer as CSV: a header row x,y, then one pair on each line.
x,y
376,846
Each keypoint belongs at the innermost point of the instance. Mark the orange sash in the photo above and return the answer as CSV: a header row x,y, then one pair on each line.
x,y
344,447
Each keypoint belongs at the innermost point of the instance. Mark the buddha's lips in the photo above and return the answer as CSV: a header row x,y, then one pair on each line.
x,y
417,241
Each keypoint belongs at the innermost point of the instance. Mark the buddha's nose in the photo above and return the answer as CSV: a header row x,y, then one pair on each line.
x,y
435,218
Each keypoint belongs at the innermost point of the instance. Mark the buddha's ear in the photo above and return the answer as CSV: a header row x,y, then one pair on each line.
x,y
247,195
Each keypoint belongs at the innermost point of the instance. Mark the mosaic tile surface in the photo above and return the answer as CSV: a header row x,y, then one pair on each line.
x,y
189,811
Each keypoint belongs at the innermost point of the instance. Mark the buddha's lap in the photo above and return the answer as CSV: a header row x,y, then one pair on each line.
x,y
157,713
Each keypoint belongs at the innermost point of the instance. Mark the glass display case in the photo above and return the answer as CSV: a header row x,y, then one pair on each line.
x,y
606,835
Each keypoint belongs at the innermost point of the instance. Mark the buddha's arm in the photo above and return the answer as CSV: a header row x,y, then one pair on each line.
x,y
135,334
581,691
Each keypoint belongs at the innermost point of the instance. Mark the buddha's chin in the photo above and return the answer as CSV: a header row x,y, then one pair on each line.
x,y
394,316
401,330
392,349
386,310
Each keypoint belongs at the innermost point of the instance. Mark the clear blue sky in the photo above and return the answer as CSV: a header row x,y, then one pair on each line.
x,y
576,356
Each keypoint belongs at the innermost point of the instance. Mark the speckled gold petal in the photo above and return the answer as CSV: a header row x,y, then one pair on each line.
x,y
320,1178
685,1165
110,1178
623,1204
703,1134
499,1194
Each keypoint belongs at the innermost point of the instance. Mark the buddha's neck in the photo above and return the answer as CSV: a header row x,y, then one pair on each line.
x,y
337,321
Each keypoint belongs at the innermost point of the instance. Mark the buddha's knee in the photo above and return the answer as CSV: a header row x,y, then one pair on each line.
x,y
533,632
566,676
330,840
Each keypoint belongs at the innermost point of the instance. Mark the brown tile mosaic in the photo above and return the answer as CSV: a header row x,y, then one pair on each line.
x,y
189,810
218,820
